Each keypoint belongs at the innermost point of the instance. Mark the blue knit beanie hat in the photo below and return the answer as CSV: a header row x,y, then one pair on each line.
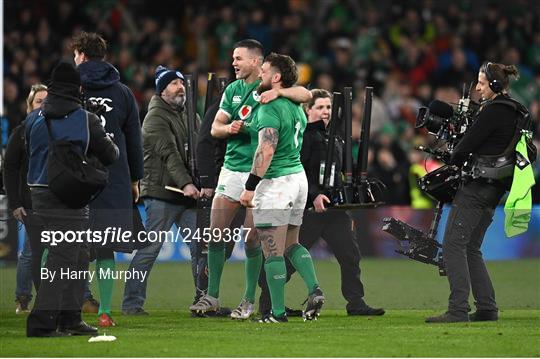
x,y
164,76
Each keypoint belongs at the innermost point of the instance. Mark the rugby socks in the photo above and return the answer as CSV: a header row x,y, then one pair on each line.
x,y
302,262
253,264
44,257
105,285
276,277
216,261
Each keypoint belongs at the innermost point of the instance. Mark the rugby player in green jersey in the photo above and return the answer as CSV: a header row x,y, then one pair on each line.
x,y
234,121
277,189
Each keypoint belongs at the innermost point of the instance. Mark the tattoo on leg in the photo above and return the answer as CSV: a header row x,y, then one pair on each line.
x,y
266,236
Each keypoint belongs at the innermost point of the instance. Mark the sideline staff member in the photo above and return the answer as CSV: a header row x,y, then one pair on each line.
x,y
59,301
474,204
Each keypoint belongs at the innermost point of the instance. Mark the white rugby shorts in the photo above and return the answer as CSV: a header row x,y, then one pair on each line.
x,y
280,201
231,184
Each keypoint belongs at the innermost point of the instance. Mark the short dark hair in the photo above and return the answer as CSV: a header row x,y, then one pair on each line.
x,y
92,44
316,94
285,66
252,45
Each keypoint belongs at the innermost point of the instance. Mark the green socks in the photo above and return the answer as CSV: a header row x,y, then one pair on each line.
x,y
301,260
216,261
44,257
276,276
253,264
105,285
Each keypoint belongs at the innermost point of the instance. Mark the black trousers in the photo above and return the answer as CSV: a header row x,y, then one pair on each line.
x,y
334,227
33,227
59,301
470,215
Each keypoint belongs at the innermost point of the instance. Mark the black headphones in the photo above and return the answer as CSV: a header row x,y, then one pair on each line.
x,y
494,84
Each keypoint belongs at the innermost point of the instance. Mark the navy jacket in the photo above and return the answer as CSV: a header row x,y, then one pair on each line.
x,y
101,82
68,121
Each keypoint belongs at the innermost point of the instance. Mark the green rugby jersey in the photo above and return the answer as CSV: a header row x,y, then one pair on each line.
x,y
240,101
290,121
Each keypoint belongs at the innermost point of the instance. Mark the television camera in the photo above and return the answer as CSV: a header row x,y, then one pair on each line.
x,y
448,126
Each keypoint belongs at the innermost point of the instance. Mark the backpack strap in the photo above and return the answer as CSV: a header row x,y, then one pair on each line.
x,y
48,126
523,123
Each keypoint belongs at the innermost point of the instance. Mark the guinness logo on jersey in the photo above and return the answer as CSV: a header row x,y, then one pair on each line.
x,y
256,96
244,112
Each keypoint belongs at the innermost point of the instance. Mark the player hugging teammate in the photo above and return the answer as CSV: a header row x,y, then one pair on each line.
x,y
236,121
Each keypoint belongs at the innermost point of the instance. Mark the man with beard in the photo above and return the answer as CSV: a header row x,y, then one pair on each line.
x,y
165,136
281,189
233,121
332,226
114,205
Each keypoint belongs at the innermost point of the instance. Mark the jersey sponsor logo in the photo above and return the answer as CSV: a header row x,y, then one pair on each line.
x,y
237,99
256,96
244,112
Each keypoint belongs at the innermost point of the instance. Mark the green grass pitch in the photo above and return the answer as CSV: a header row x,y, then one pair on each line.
x,y
409,291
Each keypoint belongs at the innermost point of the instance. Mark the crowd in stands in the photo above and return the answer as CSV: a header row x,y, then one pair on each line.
x,y
410,52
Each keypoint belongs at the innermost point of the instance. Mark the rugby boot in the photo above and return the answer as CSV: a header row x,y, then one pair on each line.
x,y
315,302
105,320
205,304
270,318
243,311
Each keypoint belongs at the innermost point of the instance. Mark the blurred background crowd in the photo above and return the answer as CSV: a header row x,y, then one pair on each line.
x,y
410,52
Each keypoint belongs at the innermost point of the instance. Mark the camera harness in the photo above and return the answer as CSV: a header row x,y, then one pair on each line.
x,y
500,167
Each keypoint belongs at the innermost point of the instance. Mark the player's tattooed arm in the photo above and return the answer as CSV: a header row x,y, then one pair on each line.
x,y
268,140
268,241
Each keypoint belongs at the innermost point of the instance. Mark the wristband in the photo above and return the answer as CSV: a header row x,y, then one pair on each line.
x,y
252,182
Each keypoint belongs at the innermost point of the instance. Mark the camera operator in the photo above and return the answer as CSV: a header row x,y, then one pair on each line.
x,y
474,204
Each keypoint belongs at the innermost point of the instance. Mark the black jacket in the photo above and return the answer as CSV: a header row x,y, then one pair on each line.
x,y
101,83
313,153
210,150
490,134
15,170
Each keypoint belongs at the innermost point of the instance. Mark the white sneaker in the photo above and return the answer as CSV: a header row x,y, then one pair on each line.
x,y
206,304
243,311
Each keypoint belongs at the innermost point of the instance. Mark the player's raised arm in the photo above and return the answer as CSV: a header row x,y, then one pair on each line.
x,y
297,94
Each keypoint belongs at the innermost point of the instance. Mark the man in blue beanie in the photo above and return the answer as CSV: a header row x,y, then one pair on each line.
x,y
165,137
